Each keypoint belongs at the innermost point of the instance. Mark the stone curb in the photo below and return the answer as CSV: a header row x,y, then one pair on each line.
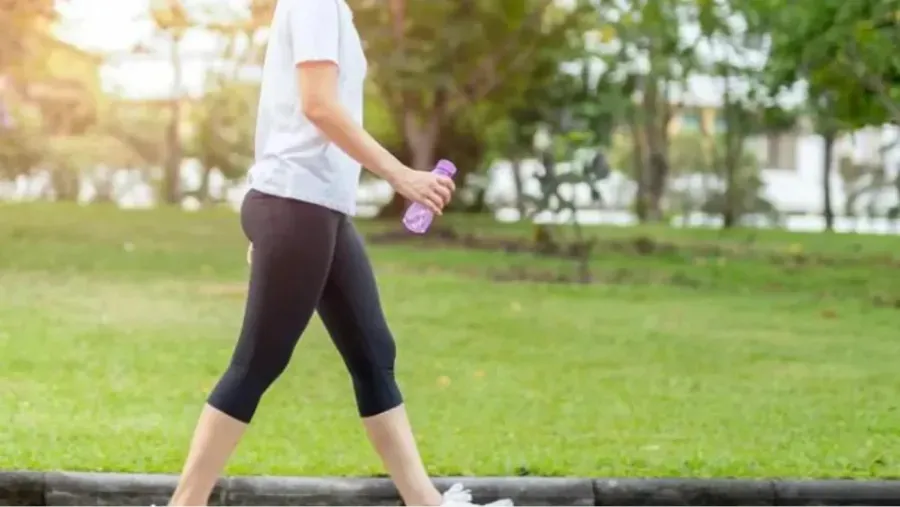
x,y
76,488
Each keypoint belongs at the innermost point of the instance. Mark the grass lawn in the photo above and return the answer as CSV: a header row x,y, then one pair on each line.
x,y
114,325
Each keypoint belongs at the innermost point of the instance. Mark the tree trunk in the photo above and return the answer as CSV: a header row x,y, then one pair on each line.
x,y
172,172
639,162
423,152
827,207
656,122
394,208
520,187
729,204
66,183
397,204
422,142
735,136
659,171
732,158
103,188
203,191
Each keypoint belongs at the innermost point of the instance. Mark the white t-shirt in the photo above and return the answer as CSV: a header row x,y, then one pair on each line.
x,y
293,158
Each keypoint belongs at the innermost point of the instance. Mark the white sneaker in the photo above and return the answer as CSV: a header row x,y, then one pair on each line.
x,y
458,496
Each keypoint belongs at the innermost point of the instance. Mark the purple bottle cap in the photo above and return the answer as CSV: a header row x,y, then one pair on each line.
x,y
446,167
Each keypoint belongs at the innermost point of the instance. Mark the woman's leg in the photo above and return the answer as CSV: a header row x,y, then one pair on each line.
x,y
293,245
351,311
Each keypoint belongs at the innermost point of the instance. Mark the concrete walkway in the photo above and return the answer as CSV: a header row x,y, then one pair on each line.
x,y
65,488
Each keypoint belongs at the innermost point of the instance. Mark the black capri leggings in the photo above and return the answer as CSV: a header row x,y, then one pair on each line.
x,y
307,258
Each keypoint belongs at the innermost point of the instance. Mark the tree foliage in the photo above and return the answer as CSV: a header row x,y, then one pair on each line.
x,y
223,130
435,63
20,22
21,146
845,54
475,81
843,51
650,56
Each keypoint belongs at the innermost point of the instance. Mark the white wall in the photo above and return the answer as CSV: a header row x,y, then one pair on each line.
x,y
794,191
800,190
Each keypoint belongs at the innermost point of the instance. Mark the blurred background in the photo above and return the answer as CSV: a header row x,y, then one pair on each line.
x,y
684,212
706,113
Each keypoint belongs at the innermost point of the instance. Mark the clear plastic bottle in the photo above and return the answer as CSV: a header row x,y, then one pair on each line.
x,y
418,218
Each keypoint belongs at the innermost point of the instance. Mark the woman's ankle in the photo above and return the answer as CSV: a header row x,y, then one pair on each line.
x,y
185,498
427,497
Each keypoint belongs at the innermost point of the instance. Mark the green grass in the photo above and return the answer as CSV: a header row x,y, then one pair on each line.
x,y
114,325
841,246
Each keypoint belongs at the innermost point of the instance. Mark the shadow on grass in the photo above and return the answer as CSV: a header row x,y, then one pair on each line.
x,y
544,244
683,265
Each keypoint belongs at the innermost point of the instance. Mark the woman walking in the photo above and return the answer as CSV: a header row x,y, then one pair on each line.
x,y
305,254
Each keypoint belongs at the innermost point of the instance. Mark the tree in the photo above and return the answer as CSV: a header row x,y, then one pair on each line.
x,y
703,182
91,156
565,167
20,22
223,135
690,161
172,19
655,57
26,145
741,194
845,53
223,121
644,48
431,67
514,140
554,100
571,123
863,179
139,126
21,140
848,48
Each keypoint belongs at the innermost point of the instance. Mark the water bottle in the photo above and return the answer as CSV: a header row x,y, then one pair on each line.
x,y
418,218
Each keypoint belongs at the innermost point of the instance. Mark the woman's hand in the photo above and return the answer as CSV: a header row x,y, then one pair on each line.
x,y
430,190
250,254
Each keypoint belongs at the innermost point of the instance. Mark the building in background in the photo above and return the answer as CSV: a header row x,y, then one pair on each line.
x,y
791,163
792,160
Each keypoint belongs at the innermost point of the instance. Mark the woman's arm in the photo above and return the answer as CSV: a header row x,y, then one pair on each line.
x,y
318,92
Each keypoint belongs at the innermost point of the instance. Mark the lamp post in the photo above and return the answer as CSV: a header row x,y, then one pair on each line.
x,y
171,17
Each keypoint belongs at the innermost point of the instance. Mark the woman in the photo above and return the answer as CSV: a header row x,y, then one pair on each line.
x,y
306,255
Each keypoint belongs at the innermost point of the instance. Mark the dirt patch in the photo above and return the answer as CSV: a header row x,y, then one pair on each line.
x,y
574,271
439,237
886,301
544,245
521,274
